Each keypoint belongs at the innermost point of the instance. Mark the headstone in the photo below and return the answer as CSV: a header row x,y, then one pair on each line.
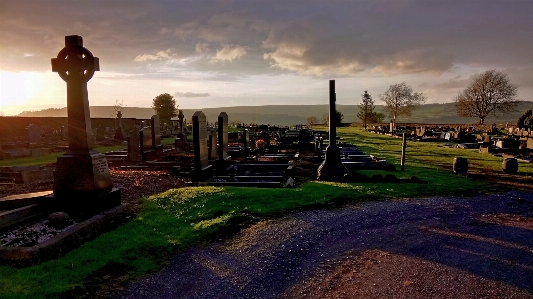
x,y
145,135
199,135
134,146
332,168
64,133
246,141
34,134
81,170
156,134
223,136
213,146
530,143
180,144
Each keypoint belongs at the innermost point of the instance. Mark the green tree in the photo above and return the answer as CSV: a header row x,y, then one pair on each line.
x,y
165,107
377,118
489,93
400,100
338,117
366,109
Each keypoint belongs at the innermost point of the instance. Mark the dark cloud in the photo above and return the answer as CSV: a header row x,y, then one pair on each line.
x,y
244,38
191,95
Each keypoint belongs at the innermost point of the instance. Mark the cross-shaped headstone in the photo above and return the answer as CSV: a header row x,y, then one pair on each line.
x,y
81,168
76,66
119,116
180,121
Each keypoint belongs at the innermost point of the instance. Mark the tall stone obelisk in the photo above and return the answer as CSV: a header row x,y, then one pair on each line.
x,y
332,168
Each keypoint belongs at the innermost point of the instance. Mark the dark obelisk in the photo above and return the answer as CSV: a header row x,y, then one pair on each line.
x,y
82,172
331,168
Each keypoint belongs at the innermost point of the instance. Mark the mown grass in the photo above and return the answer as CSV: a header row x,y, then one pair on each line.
x,y
179,218
52,157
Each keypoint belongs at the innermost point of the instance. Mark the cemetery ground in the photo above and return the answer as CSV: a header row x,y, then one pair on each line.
x,y
171,222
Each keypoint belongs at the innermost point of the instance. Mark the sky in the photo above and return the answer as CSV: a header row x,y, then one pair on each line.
x,y
224,53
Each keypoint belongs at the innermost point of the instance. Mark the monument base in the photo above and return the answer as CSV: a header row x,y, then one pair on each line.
x,y
332,168
86,201
82,172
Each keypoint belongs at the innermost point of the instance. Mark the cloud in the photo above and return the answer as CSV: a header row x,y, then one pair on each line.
x,y
159,56
229,53
191,95
202,47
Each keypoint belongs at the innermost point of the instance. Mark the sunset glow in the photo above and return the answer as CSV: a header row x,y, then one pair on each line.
x,y
242,53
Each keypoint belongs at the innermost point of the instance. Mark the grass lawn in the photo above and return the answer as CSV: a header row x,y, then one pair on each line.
x,y
52,157
179,218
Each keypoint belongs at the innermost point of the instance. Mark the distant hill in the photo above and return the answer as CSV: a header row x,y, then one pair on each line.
x,y
297,114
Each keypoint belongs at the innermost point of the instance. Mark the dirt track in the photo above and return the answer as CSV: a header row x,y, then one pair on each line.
x,y
479,247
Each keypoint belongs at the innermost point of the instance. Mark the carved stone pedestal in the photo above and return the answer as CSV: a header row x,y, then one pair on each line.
x,y
332,168
82,182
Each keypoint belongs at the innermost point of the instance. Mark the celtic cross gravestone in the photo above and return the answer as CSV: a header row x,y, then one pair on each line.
x,y
81,169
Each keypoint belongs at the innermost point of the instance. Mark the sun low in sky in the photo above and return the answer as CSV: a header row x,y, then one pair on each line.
x,y
249,53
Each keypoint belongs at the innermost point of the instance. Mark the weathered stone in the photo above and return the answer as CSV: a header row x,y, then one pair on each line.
x,y
199,133
59,220
223,136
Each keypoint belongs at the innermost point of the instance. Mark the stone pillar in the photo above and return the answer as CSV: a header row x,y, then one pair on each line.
x,y
223,136
332,168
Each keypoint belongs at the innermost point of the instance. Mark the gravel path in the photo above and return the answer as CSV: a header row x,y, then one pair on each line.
x,y
478,247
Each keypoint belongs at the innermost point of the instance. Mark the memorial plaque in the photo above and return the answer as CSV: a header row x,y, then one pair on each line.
x,y
223,136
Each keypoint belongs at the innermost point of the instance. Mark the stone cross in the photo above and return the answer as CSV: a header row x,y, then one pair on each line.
x,y
332,168
180,121
76,66
119,116
81,169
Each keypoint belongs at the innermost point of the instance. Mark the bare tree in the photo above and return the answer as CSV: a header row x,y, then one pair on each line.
x,y
489,93
401,100
311,121
366,109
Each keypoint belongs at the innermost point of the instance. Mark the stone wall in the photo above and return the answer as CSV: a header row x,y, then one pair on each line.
x,y
14,128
